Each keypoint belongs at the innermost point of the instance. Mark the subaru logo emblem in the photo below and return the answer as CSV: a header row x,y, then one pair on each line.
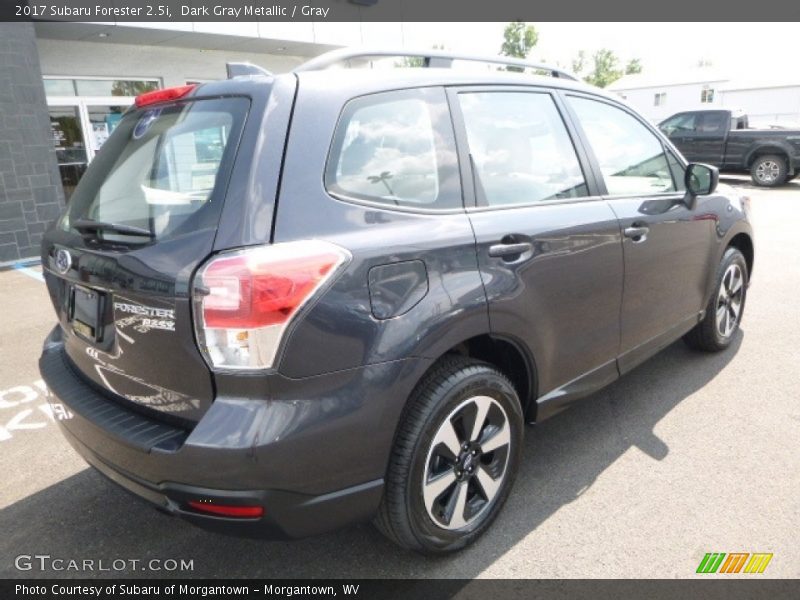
x,y
144,123
63,261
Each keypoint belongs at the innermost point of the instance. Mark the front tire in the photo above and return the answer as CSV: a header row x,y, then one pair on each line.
x,y
455,457
769,170
726,307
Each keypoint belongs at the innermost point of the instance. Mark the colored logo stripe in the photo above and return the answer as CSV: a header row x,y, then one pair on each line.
x,y
734,562
758,563
712,562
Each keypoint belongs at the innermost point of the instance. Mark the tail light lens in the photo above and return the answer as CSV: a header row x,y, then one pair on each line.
x,y
245,300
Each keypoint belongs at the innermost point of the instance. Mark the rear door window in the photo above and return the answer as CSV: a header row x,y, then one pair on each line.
x,y
396,149
520,149
163,170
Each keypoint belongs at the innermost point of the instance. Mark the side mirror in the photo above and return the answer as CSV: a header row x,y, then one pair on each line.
x,y
700,180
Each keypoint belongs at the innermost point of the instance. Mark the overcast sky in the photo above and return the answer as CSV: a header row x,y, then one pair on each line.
x,y
737,48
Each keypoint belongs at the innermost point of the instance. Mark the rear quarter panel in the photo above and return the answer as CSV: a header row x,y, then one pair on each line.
x,y
339,330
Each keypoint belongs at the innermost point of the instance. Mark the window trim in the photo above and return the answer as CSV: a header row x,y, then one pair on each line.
x,y
332,148
462,142
666,145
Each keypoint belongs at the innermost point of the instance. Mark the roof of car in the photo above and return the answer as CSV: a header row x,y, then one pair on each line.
x,y
402,77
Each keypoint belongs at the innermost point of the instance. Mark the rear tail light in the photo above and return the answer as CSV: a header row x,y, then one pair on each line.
x,y
245,300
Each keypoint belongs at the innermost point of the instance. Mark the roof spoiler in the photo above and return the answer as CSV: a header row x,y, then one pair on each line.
x,y
436,59
245,69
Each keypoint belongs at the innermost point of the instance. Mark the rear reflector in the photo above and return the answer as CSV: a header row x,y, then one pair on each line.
x,y
244,300
164,95
227,510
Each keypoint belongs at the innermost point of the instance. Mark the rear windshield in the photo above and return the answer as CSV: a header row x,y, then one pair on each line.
x,y
163,171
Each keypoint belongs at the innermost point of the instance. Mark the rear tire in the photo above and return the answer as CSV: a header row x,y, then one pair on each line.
x,y
769,170
725,308
455,456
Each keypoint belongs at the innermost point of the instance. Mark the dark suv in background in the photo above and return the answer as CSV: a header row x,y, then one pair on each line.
x,y
288,303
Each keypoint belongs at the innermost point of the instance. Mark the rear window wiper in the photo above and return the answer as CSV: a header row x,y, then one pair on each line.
x,y
92,225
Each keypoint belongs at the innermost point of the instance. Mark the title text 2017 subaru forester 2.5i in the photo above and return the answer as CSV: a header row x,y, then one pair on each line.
x,y
288,303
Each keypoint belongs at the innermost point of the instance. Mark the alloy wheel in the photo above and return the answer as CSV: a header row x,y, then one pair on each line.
x,y
467,462
729,300
768,171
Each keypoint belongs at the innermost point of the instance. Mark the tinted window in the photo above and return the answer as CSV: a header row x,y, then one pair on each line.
x,y
631,157
396,148
520,148
712,123
159,168
679,124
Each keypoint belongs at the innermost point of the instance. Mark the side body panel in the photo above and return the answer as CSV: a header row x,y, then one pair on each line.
x,y
452,310
561,300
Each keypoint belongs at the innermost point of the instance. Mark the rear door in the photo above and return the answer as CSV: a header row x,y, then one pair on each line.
x,y
667,246
119,263
549,247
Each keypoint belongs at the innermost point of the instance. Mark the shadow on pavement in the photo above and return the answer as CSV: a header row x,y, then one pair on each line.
x,y
86,517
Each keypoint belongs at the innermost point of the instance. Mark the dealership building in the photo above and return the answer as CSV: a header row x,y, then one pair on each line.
x,y
64,86
769,98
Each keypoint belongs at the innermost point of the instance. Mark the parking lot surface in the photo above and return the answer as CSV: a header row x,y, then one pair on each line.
x,y
691,453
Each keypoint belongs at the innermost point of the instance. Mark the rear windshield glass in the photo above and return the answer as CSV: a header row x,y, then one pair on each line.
x,y
162,171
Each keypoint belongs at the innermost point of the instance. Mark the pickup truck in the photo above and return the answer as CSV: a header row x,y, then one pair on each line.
x,y
724,139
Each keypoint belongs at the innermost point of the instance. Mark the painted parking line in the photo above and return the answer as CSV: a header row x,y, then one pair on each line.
x,y
37,275
24,408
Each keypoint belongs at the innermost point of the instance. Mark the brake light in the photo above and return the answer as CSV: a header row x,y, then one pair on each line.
x,y
227,510
245,300
164,95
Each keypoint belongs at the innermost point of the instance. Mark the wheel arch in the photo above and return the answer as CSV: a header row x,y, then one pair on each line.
x,y
768,149
744,243
509,356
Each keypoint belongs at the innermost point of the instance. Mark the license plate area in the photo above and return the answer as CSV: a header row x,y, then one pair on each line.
x,y
85,313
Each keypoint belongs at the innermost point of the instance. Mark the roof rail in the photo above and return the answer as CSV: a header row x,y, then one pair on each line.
x,y
244,69
431,59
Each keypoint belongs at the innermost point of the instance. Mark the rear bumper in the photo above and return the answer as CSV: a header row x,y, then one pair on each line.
x,y
286,514
312,453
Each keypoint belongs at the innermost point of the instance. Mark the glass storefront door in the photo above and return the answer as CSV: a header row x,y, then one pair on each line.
x,y
68,138
102,121
80,126
83,113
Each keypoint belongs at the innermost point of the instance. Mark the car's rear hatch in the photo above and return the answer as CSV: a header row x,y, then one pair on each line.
x,y
119,264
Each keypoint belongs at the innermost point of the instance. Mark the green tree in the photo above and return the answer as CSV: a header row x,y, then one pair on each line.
x,y
518,40
633,67
605,68
579,62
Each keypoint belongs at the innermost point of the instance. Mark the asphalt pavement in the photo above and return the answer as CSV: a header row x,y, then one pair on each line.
x,y
689,454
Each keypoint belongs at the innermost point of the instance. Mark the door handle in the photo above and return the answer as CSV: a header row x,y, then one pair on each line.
x,y
637,233
515,249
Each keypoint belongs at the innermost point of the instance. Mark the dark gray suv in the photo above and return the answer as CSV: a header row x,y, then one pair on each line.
x,y
288,303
